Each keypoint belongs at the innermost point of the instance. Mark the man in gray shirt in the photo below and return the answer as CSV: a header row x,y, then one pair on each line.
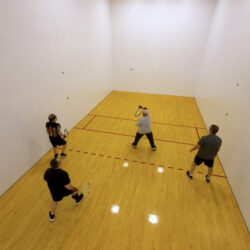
x,y
208,147
144,128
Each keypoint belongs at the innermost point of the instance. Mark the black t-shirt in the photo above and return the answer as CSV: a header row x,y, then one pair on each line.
x,y
56,180
52,127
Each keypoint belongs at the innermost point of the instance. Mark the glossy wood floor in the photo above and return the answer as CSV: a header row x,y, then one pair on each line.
x,y
190,214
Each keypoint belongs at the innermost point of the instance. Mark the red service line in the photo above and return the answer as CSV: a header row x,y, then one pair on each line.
x,y
89,122
160,123
112,133
141,162
197,133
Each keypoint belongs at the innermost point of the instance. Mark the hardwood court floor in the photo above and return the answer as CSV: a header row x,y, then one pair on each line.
x,y
191,213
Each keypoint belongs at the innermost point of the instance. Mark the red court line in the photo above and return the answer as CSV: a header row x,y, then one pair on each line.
x,y
89,122
112,133
160,123
197,133
142,162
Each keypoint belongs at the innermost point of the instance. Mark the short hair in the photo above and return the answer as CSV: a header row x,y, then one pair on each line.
x,y
54,163
214,129
51,117
144,112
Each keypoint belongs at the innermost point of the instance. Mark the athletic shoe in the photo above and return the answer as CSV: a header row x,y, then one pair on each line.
x,y
154,148
78,200
56,155
133,145
189,175
63,155
207,179
51,217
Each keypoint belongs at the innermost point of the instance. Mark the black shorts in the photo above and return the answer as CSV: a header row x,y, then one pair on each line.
x,y
208,163
59,197
57,141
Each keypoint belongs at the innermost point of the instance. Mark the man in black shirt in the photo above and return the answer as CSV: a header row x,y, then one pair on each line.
x,y
59,185
56,137
208,147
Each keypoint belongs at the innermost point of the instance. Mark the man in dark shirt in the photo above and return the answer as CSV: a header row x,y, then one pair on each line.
x,y
56,137
59,185
208,147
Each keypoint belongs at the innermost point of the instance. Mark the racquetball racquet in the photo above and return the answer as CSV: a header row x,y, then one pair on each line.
x,y
84,188
138,111
66,132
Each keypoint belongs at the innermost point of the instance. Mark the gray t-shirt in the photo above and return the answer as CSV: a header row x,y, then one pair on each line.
x,y
144,124
210,145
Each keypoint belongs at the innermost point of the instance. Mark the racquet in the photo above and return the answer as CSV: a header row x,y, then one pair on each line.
x,y
138,111
66,132
84,188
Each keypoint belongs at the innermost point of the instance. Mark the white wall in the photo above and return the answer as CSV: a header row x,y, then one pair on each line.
x,y
226,63
38,40
163,41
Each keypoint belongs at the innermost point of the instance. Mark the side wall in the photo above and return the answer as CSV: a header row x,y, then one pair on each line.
x,y
49,50
223,93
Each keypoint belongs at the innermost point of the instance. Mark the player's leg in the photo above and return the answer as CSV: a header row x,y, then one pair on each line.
x,y
209,164
138,136
55,152
196,162
76,195
52,210
151,140
62,142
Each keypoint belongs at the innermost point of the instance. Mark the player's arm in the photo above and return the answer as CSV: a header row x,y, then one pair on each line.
x,y
197,146
59,131
47,129
70,187
217,151
200,143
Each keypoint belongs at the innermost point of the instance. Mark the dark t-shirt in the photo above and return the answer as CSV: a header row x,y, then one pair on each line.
x,y
52,127
56,180
210,145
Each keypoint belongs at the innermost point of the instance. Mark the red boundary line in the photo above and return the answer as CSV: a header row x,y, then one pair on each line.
x,y
160,123
89,122
112,133
141,162
197,133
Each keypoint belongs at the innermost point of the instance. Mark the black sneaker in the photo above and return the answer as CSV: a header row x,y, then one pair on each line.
x,y
63,155
207,179
56,155
189,175
154,148
51,217
133,145
78,200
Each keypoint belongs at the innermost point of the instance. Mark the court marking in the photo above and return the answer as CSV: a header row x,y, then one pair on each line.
x,y
160,123
112,133
197,133
94,116
139,162
85,126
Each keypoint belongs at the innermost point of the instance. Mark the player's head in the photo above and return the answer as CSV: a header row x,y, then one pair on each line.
x,y
213,129
55,163
52,118
144,111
